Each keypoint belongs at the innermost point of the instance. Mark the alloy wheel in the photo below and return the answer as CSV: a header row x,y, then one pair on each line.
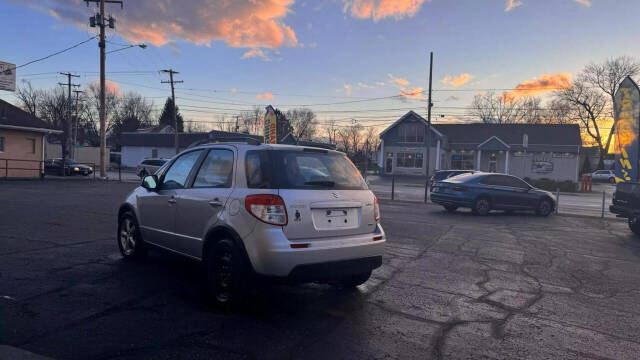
x,y
128,236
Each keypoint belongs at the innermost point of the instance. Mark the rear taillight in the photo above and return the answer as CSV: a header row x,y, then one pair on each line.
x,y
269,209
376,209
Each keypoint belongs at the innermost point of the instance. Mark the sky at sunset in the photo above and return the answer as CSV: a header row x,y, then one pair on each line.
x,y
359,59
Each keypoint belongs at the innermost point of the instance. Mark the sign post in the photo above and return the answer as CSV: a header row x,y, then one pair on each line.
x,y
7,76
627,113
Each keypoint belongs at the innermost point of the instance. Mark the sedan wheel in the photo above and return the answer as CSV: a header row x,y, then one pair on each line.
x,y
227,274
129,240
634,224
545,207
482,206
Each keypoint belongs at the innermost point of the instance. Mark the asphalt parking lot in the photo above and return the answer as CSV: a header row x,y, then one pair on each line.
x,y
453,286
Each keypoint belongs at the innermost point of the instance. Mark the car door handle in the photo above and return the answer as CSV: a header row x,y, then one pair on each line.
x,y
172,200
215,202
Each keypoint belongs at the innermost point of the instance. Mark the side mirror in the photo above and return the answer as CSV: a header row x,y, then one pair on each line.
x,y
150,182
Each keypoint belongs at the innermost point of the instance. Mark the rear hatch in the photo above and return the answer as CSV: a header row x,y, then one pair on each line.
x,y
324,194
627,194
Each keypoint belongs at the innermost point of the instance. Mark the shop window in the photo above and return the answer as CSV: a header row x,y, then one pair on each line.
x,y
462,161
410,160
1,143
412,133
32,145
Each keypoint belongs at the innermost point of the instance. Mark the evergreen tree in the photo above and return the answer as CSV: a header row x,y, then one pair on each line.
x,y
166,118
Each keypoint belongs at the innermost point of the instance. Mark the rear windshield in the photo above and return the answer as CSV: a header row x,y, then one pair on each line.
x,y
313,170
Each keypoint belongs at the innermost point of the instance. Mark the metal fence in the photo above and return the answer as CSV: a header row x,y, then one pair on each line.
x,y
403,188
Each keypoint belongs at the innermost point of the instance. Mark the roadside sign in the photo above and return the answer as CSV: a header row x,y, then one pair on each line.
x,y
7,76
270,120
627,112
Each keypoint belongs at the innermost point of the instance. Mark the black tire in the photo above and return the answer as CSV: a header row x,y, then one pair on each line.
x,y
228,278
544,208
634,224
612,180
129,238
349,282
481,206
450,208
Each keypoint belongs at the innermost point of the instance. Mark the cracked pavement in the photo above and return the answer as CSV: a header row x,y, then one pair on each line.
x,y
453,286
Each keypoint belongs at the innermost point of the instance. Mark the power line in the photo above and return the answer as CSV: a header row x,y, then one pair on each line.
x,y
54,54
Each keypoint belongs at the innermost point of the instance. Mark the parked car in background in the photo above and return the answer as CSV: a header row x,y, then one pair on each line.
x,y
483,192
71,167
604,175
445,174
149,166
626,204
258,211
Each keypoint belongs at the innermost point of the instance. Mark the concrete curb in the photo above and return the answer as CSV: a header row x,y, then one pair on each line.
x,y
11,353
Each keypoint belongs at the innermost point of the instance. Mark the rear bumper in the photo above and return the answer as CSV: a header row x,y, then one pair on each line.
x,y
619,210
334,269
271,254
443,199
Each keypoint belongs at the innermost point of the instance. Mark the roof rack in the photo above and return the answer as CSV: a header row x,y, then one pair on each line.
x,y
230,139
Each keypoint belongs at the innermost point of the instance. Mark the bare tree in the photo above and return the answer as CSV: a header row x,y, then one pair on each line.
x,y
29,98
607,76
252,121
494,109
331,129
349,138
588,107
93,100
303,123
54,110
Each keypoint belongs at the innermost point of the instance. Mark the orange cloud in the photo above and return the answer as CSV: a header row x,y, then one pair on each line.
x,y
457,80
256,53
239,23
586,3
379,9
347,89
112,87
414,93
266,96
543,84
512,4
398,80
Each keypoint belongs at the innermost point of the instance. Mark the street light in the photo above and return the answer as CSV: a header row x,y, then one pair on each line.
x,y
142,46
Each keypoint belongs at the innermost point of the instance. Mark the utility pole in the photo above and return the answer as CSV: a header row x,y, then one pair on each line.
x,y
100,21
427,137
237,123
173,98
67,126
75,131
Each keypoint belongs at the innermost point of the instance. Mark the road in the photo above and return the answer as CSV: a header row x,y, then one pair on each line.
x,y
452,286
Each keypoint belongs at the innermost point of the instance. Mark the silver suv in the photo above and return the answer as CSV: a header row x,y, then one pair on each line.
x,y
258,211
149,166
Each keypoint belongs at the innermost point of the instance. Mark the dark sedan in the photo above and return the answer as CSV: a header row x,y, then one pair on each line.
x,y
445,174
71,167
483,192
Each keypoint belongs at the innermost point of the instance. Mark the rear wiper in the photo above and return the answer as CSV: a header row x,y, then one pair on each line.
x,y
327,183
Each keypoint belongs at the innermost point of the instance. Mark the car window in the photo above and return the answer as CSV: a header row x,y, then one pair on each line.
x,y
514,182
216,170
144,162
317,170
491,180
176,176
257,167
